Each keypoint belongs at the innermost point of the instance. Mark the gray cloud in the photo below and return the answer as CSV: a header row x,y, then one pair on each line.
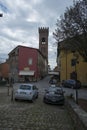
x,y
19,25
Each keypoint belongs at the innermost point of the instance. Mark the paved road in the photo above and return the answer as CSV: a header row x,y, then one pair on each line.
x,y
22,115
82,93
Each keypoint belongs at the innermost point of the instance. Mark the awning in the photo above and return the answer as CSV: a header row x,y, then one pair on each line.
x,y
53,73
23,72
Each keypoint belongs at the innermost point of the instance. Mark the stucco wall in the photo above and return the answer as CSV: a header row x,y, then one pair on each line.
x,y
66,67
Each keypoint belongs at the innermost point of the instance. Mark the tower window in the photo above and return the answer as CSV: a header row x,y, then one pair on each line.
x,y
43,40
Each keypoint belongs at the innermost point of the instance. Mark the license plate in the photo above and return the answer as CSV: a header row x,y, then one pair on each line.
x,y
53,99
22,93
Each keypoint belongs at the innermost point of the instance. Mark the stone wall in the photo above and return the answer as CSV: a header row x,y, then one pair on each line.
x,y
78,115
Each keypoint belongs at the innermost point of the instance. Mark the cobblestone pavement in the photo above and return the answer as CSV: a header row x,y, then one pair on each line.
x,y
23,115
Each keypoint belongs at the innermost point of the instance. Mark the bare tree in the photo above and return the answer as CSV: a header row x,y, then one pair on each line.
x,y
72,28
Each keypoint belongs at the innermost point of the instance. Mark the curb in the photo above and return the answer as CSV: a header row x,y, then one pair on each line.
x,y
78,115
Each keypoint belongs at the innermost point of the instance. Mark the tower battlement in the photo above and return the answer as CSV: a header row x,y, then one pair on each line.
x,y
43,29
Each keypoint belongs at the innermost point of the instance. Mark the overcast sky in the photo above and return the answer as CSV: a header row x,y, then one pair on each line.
x,y
20,22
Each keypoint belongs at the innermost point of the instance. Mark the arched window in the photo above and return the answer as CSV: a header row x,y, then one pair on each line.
x,y
43,40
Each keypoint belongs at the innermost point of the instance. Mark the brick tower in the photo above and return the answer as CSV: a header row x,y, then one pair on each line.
x,y
43,41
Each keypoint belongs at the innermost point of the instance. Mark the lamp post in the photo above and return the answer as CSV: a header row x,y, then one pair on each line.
x,y
66,64
76,84
12,81
75,63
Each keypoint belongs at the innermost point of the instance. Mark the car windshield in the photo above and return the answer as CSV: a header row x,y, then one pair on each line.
x,y
25,87
54,89
51,88
71,81
59,91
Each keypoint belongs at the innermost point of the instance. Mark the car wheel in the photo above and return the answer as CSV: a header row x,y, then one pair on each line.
x,y
16,99
32,99
72,87
44,100
37,96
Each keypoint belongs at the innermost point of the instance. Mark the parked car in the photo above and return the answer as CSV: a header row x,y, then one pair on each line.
x,y
53,81
26,92
70,83
54,95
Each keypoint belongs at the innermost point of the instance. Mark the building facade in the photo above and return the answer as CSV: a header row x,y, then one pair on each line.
x,y
4,70
72,65
27,64
30,64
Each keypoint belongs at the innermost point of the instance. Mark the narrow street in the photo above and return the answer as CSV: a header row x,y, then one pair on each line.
x,y
23,115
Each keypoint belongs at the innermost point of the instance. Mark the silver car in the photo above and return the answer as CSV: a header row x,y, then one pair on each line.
x,y
54,95
26,92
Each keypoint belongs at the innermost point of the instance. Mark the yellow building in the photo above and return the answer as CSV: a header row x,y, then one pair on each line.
x,y
68,68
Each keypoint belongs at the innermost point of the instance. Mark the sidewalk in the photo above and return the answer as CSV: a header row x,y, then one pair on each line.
x,y
82,93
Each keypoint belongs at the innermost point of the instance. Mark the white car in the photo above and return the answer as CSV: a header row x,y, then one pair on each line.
x,y
26,92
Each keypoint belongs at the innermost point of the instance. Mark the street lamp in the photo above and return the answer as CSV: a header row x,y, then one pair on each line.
x,y
66,63
74,63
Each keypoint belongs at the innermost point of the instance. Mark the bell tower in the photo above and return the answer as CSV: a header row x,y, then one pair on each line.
x,y
43,41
